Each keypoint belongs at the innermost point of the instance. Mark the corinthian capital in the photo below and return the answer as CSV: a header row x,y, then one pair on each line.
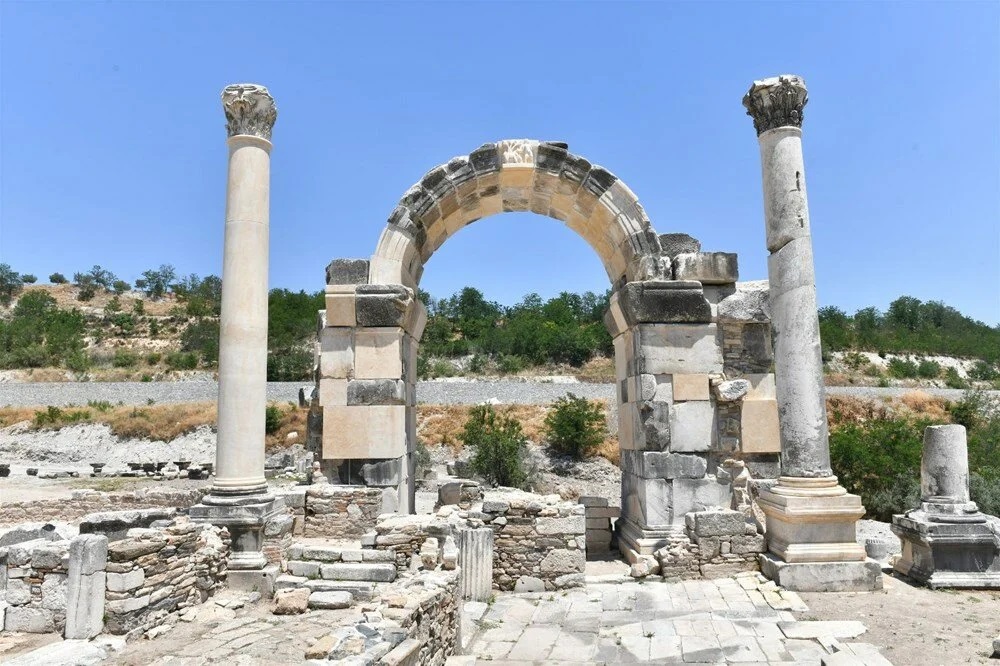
x,y
250,109
776,102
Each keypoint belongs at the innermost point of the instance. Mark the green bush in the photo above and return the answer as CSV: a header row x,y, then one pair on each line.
x,y
58,278
497,443
289,365
203,337
984,371
28,278
902,369
272,419
511,365
574,426
929,369
152,358
182,360
78,362
100,405
56,416
124,359
954,380
11,283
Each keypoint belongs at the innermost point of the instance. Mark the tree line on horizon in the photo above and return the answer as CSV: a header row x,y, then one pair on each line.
x,y
566,329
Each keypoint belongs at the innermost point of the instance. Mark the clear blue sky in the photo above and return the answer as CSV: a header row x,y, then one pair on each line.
x,y
113,140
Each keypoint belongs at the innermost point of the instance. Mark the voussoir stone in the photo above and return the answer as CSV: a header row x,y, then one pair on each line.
x,y
347,271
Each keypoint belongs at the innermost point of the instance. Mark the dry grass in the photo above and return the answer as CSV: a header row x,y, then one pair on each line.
x,y
842,410
65,295
598,370
924,405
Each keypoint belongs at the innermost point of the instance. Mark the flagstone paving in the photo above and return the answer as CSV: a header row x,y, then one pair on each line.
x,y
732,620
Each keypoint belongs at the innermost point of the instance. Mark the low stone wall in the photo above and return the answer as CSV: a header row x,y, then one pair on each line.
x,y
84,502
404,535
714,544
340,511
34,578
154,572
430,615
539,540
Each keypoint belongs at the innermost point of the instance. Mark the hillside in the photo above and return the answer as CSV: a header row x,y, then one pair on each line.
x,y
99,328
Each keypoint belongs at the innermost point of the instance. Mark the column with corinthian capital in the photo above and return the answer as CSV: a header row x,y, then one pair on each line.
x,y
811,519
239,497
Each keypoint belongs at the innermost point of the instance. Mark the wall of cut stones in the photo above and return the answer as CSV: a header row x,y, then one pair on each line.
x,y
154,572
83,502
714,544
327,510
539,540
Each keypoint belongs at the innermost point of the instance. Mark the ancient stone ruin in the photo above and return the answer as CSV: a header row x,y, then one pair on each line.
x,y
722,426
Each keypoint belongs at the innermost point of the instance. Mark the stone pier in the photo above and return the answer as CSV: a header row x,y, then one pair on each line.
x,y
239,498
947,541
811,519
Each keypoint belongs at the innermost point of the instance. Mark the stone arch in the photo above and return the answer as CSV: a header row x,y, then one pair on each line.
x,y
683,330
517,175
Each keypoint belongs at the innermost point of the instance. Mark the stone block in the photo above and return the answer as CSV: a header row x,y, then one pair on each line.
x,y
690,387
529,584
475,563
717,523
759,427
124,582
88,554
18,592
381,305
647,502
762,387
364,432
336,353
748,544
706,267
304,569
654,431
347,271
128,605
731,390
749,303
383,474
662,465
378,353
561,561
376,572
664,302
698,495
567,525
48,554
667,349
330,600
376,392
291,602
85,605
340,309
692,427
29,620
675,244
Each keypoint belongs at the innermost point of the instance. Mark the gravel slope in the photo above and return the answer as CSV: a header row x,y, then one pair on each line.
x,y
433,392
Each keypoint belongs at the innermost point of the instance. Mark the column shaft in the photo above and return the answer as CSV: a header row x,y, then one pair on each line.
x,y
243,322
805,450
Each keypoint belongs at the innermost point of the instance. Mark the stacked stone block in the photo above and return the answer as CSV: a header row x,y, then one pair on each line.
x,y
83,502
536,537
154,572
599,528
366,375
341,511
35,578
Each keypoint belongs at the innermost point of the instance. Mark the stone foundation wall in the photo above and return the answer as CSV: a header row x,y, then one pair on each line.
x,y
714,544
154,572
430,616
84,502
34,581
536,537
340,511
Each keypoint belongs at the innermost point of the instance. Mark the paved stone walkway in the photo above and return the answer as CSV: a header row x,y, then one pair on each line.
x,y
731,620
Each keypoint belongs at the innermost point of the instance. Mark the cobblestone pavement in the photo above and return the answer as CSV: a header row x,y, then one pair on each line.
x,y
730,620
733,620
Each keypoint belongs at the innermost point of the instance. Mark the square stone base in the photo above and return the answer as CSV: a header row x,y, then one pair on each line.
x,y
948,554
865,576
634,540
812,525
259,580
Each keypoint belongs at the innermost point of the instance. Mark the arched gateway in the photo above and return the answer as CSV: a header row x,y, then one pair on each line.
x,y
692,348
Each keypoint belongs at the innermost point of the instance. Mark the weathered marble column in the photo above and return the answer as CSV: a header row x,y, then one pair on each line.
x,y
810,518
239,497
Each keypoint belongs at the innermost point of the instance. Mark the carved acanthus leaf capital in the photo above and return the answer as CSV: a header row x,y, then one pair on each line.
x,y
249,109
776,102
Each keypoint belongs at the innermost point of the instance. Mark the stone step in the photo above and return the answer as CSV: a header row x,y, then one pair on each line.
x,y
330,600
360,590
314,553
377,572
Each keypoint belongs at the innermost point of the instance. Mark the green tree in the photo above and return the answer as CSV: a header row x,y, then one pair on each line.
x,y
498,446
155,282
574,426
11,284
58,278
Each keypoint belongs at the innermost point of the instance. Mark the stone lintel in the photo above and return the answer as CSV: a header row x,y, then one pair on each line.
x,y
666,301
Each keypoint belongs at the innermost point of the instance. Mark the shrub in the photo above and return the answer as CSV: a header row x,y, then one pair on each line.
x,y
102,406
155,283
114,305
55,416
120,286
152,358
498,446
954,380
202,337
983,371
272,419
511,365
78,362
138,308
289,365
27,278
575,426
124,359
124,322
929,369
855,360
902,369
58,278
182,360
